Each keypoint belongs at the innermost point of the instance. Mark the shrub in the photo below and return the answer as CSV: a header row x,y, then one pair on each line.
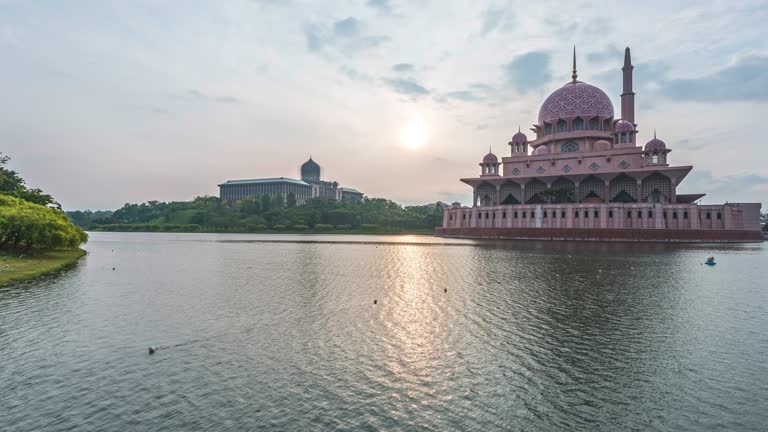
x,y
300,227
368,227
278,227
323,227
35,226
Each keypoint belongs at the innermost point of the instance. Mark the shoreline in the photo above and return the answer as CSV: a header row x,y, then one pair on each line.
x,y
16,267
309,231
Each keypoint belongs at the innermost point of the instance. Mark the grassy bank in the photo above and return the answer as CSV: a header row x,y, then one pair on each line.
x,y
16,266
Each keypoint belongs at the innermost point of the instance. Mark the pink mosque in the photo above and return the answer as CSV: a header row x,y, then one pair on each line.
x,y
584,177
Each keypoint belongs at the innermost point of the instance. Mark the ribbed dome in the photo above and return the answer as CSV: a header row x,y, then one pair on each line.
x,y
490,158
624,126
519,137
575,99
655,145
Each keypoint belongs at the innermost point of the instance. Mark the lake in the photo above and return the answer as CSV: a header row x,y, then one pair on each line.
x,y
280,332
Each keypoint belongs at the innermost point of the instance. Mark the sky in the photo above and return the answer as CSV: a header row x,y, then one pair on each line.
x,y
106,102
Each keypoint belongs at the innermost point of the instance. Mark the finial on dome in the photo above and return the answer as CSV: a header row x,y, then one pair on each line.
x,y
574,76
654,133
518,128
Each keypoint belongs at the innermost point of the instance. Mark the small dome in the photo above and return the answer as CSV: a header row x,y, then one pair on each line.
x,y
519,137
541,150
490,158
655,145
624,126
601,145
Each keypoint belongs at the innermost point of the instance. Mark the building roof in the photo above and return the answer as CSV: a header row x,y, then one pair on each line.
x,y
575,99
266,180
351,190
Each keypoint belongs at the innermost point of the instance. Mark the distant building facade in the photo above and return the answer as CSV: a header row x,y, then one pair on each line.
x,y
310,186
584,177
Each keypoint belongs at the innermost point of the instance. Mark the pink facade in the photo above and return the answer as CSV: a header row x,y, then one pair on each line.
x,y
585,177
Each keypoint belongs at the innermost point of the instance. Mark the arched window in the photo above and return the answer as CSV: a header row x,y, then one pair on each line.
x,y
562,126
607,124
593,123
547,129
623,137
569,147
578,124
630,136
655,158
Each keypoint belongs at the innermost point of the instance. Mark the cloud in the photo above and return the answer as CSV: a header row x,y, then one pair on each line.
x,y
346,35
383,6
403,68
354,74
196,95
609,54
406,87
529,71
495,19
316,36
348,27
745,80
463,95
732,188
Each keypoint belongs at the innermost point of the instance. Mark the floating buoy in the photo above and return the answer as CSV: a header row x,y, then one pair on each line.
x,y
151,350
375,301
113,268
710,261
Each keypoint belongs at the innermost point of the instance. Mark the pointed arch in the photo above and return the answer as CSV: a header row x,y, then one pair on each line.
x,y
510,193
656,188
592,189
563,190
562,126
594,123
623,189
533,190
578,124
486,194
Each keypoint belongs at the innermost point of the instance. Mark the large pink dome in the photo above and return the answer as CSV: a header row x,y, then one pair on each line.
x,y
575,99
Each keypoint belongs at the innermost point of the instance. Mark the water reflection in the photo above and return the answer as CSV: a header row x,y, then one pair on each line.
x,y
284,335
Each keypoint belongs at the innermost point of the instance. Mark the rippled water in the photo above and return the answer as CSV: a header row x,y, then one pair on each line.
x,y
285,335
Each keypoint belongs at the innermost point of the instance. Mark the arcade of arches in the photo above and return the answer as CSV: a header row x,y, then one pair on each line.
x,y
653,188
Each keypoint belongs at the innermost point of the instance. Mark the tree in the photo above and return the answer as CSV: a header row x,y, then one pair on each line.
x,y
13,185
291,200
36,227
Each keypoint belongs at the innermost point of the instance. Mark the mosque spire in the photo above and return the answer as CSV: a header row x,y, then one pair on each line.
x,y
654,133
574,76
628,95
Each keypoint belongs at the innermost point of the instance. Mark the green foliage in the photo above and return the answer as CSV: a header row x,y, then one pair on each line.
x,y
264,212
34,226
558,195
13,185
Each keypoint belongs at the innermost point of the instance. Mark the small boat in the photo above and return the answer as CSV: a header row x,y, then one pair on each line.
x,y
710,261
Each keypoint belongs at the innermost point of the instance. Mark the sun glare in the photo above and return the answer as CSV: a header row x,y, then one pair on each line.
x,y
414,135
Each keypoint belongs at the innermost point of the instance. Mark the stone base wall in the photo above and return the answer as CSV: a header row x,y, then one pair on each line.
x,y
602,234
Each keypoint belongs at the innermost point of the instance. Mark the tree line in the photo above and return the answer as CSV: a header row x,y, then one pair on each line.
x,y
31,219
263,213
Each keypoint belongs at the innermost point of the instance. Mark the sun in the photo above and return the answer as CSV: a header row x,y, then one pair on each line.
x,y
414,135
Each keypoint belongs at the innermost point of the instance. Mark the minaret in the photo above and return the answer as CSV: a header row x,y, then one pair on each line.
x,y
628,96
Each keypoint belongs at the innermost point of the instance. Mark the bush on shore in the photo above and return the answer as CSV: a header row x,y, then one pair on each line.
x,y
31,226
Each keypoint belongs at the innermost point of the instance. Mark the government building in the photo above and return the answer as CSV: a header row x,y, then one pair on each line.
x,y
310,186
585,177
